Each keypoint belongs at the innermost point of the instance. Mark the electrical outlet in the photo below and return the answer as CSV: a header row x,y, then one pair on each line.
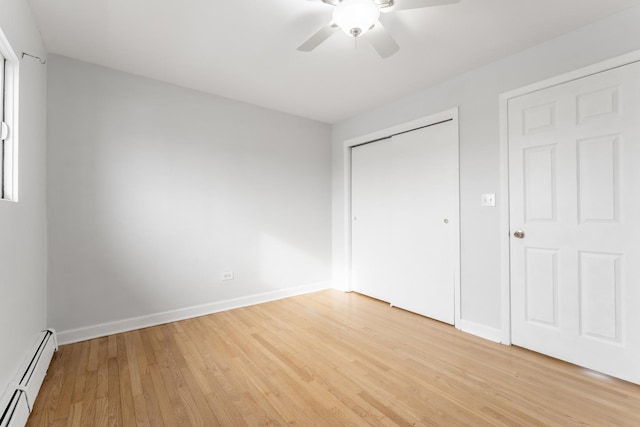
x,y
227,275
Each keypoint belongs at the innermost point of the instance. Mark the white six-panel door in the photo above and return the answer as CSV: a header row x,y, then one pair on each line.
x,y
405,220
574,163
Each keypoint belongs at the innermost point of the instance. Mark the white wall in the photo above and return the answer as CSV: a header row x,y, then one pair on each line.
x,y
155,190
476,93
23,266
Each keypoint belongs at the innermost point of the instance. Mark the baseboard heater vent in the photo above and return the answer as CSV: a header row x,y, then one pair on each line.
x,y
30,379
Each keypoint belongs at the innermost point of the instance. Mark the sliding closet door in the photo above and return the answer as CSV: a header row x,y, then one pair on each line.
x,y
371,221
424,220
405,220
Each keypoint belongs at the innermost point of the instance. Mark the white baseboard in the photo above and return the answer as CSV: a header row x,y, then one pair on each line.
x,y
479,330
340,287
110,328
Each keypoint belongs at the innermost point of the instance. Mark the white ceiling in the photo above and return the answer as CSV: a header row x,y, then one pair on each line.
x,y
246,49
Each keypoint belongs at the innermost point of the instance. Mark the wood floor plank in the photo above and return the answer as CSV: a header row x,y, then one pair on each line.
x,y
114,404
323,359
75,415
89,397
161,395
102,412
152,402
102,387
127,392
63,406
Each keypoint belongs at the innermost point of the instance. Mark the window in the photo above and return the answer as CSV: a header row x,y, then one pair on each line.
x,y
4,129
8,110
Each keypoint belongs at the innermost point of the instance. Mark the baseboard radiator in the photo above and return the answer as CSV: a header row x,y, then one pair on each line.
x,y
29,380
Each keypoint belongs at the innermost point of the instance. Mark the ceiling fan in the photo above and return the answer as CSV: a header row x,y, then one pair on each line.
x,y
359,17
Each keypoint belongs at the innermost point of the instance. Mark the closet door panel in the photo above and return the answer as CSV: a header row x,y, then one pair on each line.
x,y
371,219
424,200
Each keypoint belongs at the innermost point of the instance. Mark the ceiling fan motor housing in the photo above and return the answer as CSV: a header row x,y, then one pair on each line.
x,y
356,17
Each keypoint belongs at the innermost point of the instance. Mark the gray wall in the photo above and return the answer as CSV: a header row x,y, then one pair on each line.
x,y
23,264
155,190
476,93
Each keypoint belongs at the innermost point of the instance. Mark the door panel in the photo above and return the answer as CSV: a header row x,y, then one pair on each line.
x,y
424,220
541,282
540,183
574,183
598,179
371,207
600,305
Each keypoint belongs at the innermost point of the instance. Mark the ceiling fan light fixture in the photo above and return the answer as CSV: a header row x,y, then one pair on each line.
x,y
356,17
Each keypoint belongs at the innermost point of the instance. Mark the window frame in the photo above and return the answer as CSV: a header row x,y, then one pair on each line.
x,y
9,115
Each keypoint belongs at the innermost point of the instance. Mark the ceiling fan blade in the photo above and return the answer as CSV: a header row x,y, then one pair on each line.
x,y
417,4
382,41
315,40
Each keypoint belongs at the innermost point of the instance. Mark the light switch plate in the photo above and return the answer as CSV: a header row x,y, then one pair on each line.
x,y
488,199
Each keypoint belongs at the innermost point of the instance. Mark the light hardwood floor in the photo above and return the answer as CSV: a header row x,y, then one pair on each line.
x,y
327,358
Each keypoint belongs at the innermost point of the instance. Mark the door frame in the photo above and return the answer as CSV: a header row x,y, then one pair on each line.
x,y
433,119
505,226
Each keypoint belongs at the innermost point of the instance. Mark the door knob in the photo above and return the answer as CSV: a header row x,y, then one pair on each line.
x,y
518,234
